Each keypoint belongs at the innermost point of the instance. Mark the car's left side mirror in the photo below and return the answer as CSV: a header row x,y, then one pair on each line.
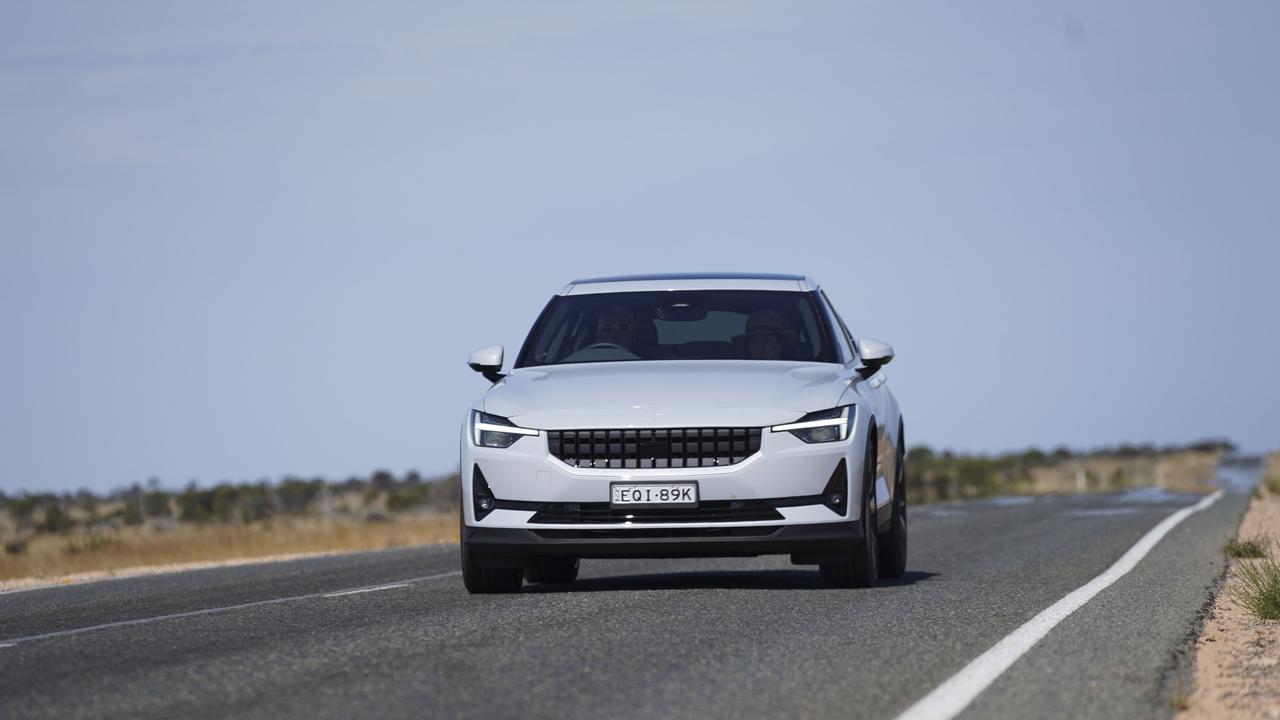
x,y
874,354
488,362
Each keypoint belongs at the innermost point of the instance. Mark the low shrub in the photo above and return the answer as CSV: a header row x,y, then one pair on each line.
x,y
1252,548
92,542
1259,587
407,498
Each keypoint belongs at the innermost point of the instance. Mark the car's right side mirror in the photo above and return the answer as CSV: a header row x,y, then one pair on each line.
x,y
488,362
874,354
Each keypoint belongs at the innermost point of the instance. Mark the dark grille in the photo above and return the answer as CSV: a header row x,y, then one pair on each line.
x,y
658,448
656,533
707,511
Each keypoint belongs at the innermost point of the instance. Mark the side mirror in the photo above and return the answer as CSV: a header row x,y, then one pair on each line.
x,y
874,354
488,362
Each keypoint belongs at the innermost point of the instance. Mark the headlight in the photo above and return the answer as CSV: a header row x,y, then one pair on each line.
x,y
494,431
822,426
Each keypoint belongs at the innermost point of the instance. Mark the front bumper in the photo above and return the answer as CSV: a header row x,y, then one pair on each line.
x,y
806,543
526,477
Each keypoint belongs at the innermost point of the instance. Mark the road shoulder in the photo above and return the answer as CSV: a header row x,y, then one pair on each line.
x,y
1237,655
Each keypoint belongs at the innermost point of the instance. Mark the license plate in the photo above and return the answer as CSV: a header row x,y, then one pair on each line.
x,y
653,494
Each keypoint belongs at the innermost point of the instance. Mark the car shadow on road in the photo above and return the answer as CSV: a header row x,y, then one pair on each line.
x,y
714,580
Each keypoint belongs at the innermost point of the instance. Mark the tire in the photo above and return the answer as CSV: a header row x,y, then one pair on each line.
x,y
893,546
482,580
552,570
862,568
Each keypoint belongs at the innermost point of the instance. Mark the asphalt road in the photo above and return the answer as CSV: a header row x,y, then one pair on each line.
x,y
740,638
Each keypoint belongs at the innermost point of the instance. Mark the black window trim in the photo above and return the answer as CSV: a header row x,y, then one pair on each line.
x,y
527,346
851,345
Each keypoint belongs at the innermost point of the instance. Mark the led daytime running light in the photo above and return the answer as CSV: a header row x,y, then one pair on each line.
x,y
840,419
482,422
511,429
809,424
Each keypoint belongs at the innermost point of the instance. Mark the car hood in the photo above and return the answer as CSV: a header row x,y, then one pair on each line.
x,y
703,393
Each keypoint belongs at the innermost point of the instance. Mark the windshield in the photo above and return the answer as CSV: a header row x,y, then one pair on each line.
x,y
679,325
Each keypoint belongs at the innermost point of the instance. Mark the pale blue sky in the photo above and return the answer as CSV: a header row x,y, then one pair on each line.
x,y
241,240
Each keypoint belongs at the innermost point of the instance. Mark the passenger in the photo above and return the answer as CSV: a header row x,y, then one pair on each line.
x,y
767,336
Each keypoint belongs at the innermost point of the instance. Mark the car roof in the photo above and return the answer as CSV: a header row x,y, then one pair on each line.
x,y
690,281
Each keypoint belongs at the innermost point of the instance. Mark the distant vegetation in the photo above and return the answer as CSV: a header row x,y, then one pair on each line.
x,y
54,535
933,476
374,498
51,534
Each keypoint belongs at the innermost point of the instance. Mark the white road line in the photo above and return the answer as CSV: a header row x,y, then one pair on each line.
x,y
9,642
366,590
948,699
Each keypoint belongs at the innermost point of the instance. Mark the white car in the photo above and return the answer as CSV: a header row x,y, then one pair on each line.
x,y
692,415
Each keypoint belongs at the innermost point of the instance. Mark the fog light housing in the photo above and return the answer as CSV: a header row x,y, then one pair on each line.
x,y
836,493
482,500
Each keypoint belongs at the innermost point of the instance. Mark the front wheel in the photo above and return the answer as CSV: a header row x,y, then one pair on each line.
x,y
893,546
862,568
488,580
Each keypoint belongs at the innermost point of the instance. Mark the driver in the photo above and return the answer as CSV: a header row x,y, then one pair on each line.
x,y
766,335
617,326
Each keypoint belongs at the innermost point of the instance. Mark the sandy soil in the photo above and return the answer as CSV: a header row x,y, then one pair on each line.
x,y
1237,666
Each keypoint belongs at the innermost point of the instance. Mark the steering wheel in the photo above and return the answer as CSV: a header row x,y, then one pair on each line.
x,y
605,346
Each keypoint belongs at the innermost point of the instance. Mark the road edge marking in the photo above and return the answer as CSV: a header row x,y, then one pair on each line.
x,y
10,642
957,692
357,591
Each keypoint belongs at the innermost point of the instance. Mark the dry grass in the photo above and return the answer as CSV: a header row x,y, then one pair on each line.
x,y
54,556
1187,470
1259,588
